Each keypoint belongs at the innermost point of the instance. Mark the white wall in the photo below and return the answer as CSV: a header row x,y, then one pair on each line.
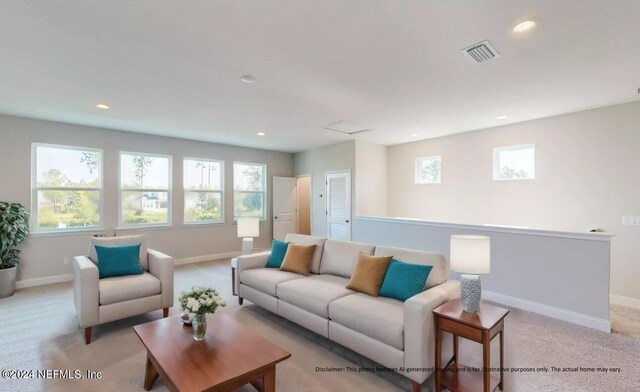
x,y
371,181
587,168
43,254
317,162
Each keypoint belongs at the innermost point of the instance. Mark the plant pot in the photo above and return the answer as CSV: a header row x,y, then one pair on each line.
x,y
7,282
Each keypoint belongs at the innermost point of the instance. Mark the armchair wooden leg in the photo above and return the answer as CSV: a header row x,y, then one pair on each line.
x,y
165,312
87,335
240,300
416,387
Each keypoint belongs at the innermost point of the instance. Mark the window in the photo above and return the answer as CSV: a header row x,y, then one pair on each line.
x,y
203,198
67,188
249,188
429,170
145,191
514,162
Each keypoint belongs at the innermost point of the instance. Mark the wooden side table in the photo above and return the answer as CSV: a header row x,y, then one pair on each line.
x,y
481,327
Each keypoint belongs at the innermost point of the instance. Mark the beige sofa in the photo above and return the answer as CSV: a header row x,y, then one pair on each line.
x,y
396,334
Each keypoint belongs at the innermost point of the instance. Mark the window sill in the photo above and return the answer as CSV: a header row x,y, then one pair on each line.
x,y
203,224
69,232
163,226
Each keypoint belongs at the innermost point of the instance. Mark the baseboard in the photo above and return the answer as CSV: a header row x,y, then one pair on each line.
x,y
214,256
550,311
624,301
21,284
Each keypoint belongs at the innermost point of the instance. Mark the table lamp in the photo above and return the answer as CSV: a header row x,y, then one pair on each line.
x,y
247,229
470,255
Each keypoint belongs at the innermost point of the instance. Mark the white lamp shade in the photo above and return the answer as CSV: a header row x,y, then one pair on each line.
x,y
470,254
248,227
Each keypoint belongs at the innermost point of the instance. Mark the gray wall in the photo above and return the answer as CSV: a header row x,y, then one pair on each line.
x,y
317,162
587,167
43,255
563,275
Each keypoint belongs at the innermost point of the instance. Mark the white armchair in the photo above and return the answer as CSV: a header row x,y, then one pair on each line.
x,y
100,301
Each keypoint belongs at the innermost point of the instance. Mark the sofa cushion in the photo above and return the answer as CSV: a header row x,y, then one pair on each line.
x,y
115,241
404,280
368,274
439,272
118,260
126,288
302,239
298,259
278,250
340,257
266,279
377,317
314,293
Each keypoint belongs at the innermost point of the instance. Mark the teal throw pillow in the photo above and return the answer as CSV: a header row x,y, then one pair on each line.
x,y
118,260
404,280
278,250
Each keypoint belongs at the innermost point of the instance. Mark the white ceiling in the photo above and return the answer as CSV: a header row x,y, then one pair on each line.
x,y
172,68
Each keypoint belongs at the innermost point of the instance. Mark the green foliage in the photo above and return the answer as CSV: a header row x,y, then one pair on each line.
x,y
508,172
201,301
138,216
14,228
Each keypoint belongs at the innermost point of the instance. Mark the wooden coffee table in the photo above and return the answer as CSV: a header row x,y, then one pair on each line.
x,y
230,356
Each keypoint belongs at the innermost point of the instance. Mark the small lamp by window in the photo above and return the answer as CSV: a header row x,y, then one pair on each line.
x,y
247,229
470,255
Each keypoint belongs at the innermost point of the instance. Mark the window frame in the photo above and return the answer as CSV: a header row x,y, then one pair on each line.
x,y
263,192
121,224
418,166
35,213
515,147
221,192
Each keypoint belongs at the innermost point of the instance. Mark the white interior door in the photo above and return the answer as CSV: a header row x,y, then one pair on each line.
x,y
339,205
284,207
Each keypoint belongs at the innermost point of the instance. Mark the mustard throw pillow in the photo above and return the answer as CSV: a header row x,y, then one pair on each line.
x,y
298,258
369,273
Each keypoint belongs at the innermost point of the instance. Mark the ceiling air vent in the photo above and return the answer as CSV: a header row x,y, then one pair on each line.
x,y
482,51
346,128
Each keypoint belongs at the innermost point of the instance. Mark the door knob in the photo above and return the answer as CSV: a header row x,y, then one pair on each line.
x,y
275,217
347,221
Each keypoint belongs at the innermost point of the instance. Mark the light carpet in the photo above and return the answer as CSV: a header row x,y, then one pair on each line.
x,y
39,330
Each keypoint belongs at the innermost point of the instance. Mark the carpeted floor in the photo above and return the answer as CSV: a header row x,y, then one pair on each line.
x,y
38,330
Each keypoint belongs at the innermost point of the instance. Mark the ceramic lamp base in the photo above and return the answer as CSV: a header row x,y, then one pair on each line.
x,y
470,292
247,246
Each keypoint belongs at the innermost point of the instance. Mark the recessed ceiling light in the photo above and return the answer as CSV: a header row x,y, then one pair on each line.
x,y
501,117
247,78
524,26
414,135
102,106
261,133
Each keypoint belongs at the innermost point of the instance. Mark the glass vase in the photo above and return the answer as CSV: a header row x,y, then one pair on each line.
x,y
199,325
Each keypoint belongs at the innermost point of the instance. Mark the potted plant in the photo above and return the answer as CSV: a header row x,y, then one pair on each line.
x,y
14,227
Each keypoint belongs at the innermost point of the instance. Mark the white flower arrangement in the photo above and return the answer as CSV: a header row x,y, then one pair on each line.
x,y
201,301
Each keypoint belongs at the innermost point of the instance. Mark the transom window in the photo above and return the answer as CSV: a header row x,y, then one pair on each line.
x,y
66,187
429,170
203,191
249,189
514,162
145,189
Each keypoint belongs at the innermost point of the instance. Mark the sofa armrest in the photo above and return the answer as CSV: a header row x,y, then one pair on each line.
x,y
419,328
85,291
256,260
161,266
